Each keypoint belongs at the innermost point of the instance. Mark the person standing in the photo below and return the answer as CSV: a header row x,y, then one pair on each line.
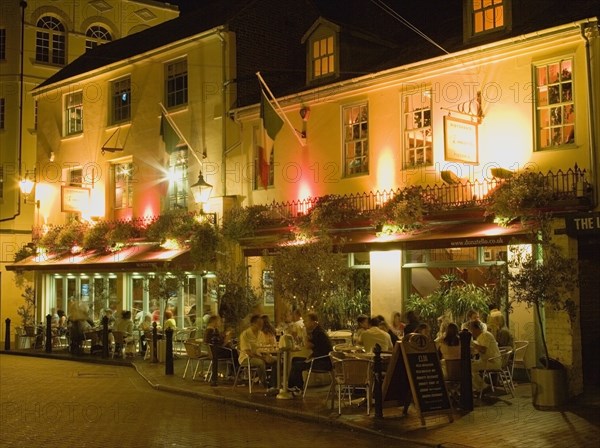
x,y
320,345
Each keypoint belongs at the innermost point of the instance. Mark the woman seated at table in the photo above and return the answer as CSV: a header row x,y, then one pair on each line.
x,y
267,335
449,346
221,341
125,326
169,321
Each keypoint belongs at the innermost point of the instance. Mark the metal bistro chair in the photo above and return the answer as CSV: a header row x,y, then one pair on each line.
x,y
351,374
250,370
194,353
518,358
312,370
119,344
502,374
228,361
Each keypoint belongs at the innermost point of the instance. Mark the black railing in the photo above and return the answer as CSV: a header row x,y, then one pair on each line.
x,y
565,185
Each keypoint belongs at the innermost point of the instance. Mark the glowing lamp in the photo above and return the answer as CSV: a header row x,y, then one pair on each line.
x,y
201,190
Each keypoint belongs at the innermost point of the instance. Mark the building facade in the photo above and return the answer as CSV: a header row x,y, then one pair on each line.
x,y
368,108
37,39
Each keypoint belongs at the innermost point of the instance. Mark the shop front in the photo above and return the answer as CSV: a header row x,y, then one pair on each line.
x,y
144,279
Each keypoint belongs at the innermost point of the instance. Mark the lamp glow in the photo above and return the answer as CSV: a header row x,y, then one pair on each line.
x,y
201,190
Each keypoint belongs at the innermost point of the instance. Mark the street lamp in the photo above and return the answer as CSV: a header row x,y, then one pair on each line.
x,y
201,191
26,186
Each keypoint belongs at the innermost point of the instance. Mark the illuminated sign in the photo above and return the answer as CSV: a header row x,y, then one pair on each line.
x,y
460,138
74,199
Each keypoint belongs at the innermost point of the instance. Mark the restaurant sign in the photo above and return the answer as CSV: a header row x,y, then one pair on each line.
x,y
583,224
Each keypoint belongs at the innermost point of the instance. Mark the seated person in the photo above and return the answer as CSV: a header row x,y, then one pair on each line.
x,y
497,326
449,346
486,346
375,335
473,315
423,329
125,325
320,344
249,353
385,327
267,335
297,329
220,340
363,325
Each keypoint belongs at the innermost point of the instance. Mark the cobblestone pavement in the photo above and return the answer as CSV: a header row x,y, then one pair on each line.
x,y
56,403
498,419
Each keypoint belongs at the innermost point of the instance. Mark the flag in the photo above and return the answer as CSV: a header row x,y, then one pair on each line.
x,y
272,124
170,136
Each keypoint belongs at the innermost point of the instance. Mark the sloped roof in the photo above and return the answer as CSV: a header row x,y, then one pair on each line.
x,y
270,34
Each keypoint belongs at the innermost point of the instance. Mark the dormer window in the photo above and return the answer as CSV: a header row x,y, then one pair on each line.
x,y
486,16
323,57
322,51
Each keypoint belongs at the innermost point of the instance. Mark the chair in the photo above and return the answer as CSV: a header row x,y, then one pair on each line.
x,y
312,370
351,374
518,358
228,360
250,370
453,379
119,343
194,353
502,374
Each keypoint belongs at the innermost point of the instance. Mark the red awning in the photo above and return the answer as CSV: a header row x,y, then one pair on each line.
x,y
138,257
433,236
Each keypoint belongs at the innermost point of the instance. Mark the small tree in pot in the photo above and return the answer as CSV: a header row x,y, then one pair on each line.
x,y
544,278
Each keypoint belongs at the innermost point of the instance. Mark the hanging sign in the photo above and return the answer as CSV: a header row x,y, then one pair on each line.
x,y
460,140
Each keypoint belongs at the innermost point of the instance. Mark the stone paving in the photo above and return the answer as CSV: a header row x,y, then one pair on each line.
x,y
497,419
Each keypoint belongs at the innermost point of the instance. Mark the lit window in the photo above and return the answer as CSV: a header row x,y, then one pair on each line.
x,y
74,113
2,113
416,128
121,101
176,83
178,181
356,142
50,41
555,107
2,44
323,57
96,35
123,185
1,182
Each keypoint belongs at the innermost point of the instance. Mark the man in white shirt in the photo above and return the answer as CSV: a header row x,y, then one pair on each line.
x,y
375,335
249,350
486,346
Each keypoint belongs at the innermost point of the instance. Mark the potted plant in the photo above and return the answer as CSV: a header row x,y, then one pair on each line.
x,y
544,279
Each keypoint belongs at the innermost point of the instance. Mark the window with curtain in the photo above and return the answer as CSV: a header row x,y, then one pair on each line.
x,y
121,101
178,180
417,129
123,185
555,104
356,142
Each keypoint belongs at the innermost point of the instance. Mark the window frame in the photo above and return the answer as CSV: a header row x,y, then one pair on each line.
x,y
120,113
96,35
2,114
73,125
50,41
328,58
563,107
470,13
178,179
176,95
355,164
411,152
2,44
122,180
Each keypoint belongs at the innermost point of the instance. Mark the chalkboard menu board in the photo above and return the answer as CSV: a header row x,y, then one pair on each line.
x,y
415,369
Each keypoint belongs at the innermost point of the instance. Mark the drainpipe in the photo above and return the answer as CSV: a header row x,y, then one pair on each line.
x,y
224,85
592,114
23,5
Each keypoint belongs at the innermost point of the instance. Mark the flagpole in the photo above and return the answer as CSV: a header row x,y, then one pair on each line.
x,y
179,133
286,119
